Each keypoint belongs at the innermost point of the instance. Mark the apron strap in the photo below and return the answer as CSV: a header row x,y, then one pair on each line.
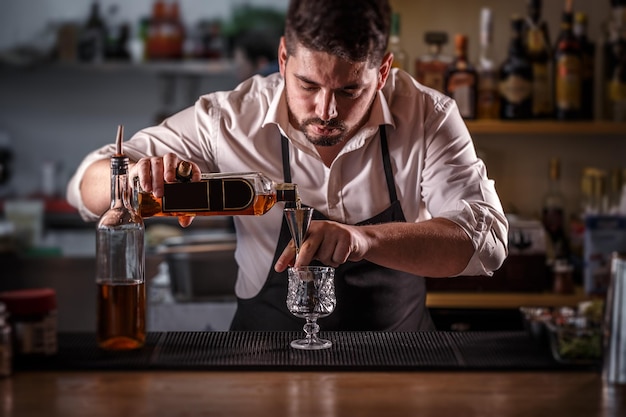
x,y
285,153
391,184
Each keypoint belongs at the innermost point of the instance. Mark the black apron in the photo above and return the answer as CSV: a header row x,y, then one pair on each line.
x,y
369,296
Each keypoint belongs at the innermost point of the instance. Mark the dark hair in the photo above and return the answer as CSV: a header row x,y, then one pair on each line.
x,y
355,30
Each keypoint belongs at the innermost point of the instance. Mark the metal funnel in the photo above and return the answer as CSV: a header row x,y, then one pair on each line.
x,y
298,220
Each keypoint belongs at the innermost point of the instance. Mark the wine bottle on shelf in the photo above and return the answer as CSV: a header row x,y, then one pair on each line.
x,y
430,68
537,42
568,69
461,79
217,194
400,57
516,77
588,52
488,98
120,265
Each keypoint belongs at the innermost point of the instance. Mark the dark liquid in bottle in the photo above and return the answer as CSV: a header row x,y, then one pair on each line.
x,y
121,313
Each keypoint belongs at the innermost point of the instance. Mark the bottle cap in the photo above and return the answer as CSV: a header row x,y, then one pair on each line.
x,y
29,301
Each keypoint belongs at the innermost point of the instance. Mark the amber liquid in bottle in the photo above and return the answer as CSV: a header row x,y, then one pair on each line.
x,y
150,206
116,331
120,266
219,194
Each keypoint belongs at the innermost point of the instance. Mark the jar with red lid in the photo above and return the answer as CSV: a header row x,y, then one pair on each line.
x,y
33,318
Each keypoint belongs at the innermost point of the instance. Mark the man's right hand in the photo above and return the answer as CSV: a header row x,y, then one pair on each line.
x,y
153,172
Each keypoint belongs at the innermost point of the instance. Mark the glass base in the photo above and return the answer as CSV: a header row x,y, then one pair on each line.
x,y
311,344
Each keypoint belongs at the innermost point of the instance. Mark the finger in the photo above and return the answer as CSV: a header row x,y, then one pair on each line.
x,y
141,170
170,165
195,172
156,170
185,221
286,258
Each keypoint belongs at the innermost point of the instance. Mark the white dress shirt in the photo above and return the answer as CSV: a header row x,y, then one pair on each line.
x,y
435,167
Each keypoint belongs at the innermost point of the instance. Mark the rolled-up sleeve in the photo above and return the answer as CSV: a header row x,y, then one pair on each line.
x,y
455,186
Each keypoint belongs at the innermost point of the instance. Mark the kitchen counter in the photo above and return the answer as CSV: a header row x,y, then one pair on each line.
x,y
323,394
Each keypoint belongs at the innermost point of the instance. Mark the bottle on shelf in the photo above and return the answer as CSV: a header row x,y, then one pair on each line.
x,y
516,77
217,194
568,69
553,215
430,69
461,80
488,98
92,37
537,40
120,265
613,74
400,57
588,52
166,33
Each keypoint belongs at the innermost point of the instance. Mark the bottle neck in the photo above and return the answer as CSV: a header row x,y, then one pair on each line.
x,y
119,181
287,192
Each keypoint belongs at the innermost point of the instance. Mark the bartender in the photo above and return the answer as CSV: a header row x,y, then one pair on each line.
x,y
388,165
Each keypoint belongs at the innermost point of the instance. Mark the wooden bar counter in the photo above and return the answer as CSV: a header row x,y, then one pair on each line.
x,y
327,394
378,374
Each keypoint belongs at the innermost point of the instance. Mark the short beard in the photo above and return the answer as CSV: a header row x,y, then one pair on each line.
x,y
324,141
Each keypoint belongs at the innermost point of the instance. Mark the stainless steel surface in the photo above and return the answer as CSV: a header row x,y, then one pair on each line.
x,y
201,267
614,369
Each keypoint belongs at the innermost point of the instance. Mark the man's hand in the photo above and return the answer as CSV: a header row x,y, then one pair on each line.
x,y
329,242
153,172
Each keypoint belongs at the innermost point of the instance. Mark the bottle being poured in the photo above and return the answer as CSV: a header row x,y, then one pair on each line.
x,y
216,194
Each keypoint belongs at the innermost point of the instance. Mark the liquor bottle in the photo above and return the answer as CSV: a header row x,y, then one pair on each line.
x,y
488,98
612,47
430,69
120,265
588,51
516,77
553,214
539,52
568,69
217,194
617,84
92,38
400,57
461,79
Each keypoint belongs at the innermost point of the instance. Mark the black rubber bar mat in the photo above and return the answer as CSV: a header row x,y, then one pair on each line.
x,y
271,351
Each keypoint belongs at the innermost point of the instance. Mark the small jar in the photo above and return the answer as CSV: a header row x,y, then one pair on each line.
x,y
6,349
33,319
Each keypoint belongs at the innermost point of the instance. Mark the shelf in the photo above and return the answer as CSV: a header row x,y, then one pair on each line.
x,y
503,300
183,67
550,127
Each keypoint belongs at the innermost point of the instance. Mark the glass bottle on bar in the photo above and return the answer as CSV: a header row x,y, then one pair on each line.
x,y
537,42
516,77
216,194
588,53
461,79
120,265
430,68
568,69
488,98
400,57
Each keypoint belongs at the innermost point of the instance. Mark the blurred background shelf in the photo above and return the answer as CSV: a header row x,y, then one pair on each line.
x,y
547,127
